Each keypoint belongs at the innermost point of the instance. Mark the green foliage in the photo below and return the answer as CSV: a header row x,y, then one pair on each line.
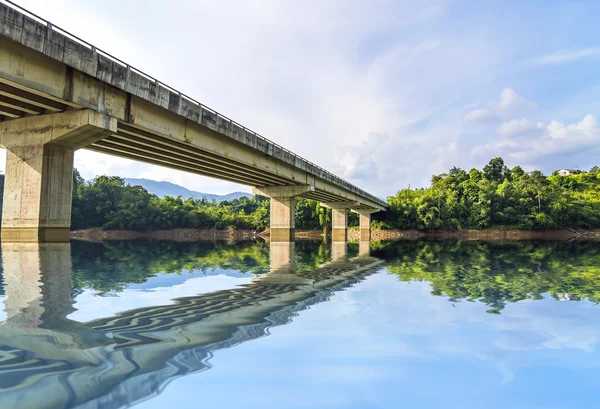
x,y
498,273
107,202
499,196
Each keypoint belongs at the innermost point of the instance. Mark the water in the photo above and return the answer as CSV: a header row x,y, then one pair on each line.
x,y
311,325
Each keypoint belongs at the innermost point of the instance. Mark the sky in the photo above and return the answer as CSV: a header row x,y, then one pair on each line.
x,y
383,93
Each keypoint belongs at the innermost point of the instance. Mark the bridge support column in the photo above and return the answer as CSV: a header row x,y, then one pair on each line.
x,y
339,219
283,209
365,226
39,172
364,217
339,224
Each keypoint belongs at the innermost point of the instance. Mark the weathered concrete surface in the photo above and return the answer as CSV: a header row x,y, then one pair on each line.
x,y
283,191
39,172
283,218
365,226
339,224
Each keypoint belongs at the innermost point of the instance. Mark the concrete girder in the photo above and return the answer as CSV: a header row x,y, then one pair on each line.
x,y
340,205
50,71
283,191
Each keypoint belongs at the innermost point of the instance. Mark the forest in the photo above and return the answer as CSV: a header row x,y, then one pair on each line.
x,y
108,202
498,196
495,197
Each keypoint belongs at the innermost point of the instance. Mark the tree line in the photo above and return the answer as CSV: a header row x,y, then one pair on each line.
x,y
478,199
108,202
498,196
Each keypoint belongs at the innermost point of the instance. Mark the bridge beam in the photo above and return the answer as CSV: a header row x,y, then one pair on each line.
x,y
39,172
283,209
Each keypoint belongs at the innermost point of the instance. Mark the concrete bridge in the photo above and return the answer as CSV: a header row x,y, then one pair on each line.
x,y
59,94
116,361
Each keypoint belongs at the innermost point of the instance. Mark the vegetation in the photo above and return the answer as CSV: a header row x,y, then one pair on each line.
x,y
495,196
107,202
498,196
498,273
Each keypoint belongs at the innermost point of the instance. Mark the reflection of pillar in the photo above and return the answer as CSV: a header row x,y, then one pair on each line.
x,y
339,250
283,209
39,172
37,280
365,226
364,248
339,224
282,256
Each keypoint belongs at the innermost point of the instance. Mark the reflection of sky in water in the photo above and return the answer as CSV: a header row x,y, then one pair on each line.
x,y
384,343
159,290
381,343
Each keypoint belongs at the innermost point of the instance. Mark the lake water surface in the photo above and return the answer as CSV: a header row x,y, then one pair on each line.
x,y
309,325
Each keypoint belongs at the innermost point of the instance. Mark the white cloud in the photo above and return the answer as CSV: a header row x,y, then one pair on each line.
x,y
550,141
519,127
508,104
565,56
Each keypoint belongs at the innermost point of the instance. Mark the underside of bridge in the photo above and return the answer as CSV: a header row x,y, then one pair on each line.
x,y
58,95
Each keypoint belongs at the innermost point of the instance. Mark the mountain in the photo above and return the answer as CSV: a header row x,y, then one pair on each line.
x,y
161,189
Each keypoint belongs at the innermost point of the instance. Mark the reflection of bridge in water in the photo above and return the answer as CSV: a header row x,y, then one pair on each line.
x,y
50,361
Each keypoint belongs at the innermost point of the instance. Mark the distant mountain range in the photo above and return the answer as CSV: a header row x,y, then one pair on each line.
x,y
161,189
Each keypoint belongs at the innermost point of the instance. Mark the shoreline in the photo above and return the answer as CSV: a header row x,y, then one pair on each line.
x,y
353,235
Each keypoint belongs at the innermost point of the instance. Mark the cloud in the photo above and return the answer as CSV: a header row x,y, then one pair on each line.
x,y
561,57
518,128
538,143
508,104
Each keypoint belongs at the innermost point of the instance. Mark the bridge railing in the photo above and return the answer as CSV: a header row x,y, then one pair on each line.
x,y
90,46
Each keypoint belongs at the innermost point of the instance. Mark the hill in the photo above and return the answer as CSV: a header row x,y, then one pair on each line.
x,y
162,189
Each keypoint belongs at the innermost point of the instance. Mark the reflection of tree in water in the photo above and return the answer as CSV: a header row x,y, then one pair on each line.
x,y
111,266
499,273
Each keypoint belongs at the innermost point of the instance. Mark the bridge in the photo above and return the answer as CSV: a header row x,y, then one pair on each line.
x,y
116,361
59,93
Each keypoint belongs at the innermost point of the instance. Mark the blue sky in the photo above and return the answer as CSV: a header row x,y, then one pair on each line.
x,y
384,93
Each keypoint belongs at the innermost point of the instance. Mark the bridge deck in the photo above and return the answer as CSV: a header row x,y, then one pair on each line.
x,y
44,70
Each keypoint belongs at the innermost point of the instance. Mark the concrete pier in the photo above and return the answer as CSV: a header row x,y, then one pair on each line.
x,y
364,217
339,224
39,172
283,209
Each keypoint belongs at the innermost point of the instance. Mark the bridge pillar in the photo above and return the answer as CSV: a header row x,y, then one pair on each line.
x,y
364,217
339,219
39,172
339,224
283,209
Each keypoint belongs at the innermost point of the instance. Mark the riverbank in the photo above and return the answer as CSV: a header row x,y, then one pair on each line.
x,y
353,234
173,234
484,234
